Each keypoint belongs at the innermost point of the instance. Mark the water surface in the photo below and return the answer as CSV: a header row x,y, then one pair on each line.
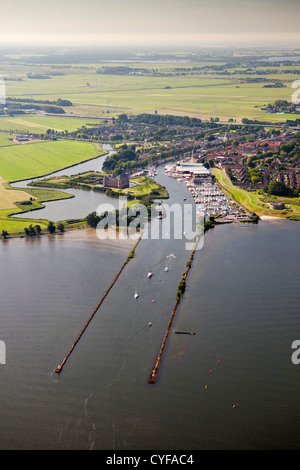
x,y
242,300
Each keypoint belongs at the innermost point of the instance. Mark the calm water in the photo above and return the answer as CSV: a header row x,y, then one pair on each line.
x,y
242,300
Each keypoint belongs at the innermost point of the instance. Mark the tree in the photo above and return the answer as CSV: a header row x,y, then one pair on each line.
x,y
61,227
250,162
31,231
51,227
122,118
38,229
4,234
92,220
277,188
26,230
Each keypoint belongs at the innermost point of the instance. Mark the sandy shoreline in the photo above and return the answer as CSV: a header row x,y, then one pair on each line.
x,y
270,217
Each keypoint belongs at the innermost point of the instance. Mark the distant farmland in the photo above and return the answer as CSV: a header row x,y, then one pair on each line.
x,y
40,124
202,95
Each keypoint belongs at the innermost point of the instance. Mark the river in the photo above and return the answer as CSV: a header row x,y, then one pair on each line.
x,y
242,301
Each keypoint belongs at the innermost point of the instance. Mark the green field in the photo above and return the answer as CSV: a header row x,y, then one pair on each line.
x,y
246,199
202,95
20,162
40,124
253,201
16,226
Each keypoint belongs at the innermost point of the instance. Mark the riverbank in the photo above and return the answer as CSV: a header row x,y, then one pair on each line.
x,y
251,201
11,220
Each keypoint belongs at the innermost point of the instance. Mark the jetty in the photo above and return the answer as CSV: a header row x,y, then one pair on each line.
x,y
155,369
61,365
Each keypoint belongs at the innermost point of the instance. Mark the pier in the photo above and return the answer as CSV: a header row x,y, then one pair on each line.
x,y
155,369
61,365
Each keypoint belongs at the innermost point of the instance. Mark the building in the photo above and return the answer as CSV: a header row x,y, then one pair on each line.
x,y
119,182
192,169
277,206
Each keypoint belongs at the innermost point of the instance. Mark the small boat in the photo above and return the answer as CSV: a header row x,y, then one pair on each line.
x,y
149,324
192,333
149,274
136,294
166,269
153,300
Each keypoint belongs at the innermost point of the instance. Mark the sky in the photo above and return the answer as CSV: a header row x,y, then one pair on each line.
x,y
205,22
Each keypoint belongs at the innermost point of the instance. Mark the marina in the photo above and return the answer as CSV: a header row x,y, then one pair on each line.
x,y
211,201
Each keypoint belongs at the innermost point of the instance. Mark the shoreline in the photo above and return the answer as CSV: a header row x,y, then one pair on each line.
x,y
270,217
60,169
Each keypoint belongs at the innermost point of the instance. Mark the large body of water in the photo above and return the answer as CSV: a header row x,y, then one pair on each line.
x,y
242,300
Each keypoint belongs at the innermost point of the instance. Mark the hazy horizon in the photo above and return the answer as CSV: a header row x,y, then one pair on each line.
x,y
159,22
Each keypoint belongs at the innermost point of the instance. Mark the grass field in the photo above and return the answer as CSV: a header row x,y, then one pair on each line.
x,y
253,202
200,95
20,162
6,139
8,197
37,196
39,124
248,200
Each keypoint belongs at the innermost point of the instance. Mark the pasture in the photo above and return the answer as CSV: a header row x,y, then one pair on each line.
x,y
203,95
19,162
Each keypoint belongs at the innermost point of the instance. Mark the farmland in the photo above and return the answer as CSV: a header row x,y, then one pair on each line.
x,y
228,93
20,162
225,89
8,196
40,124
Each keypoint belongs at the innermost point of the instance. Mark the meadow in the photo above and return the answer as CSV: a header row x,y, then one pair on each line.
x,y
19,162
8,196
39,124
203,95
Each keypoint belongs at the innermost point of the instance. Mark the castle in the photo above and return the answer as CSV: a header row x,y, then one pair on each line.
x,y
120,182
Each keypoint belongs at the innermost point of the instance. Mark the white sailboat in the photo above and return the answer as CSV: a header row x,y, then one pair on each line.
x,y
136,294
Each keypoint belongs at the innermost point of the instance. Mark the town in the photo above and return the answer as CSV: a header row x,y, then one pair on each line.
x,y
252,155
